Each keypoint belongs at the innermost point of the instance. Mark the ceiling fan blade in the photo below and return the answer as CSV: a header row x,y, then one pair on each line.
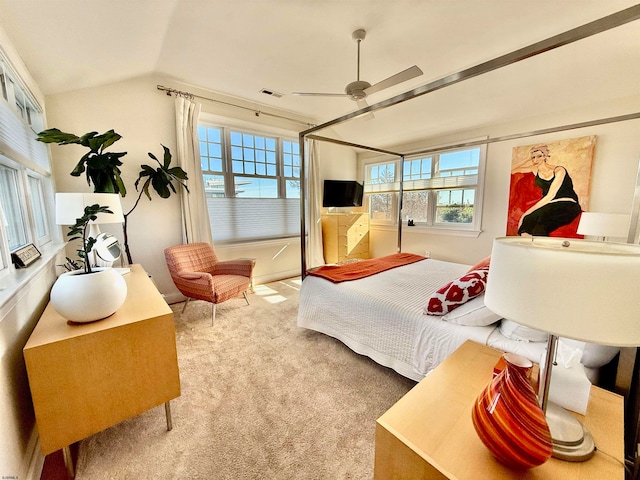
x,y
400,77
363,104
310,94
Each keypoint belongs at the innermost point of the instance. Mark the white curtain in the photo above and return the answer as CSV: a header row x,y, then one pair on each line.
x,y
195,216
315,254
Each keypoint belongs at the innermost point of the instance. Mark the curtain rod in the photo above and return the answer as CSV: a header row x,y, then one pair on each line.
x,y
256,112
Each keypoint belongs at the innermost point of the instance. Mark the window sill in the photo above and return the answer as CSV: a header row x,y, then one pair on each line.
x,y
16,279
452,232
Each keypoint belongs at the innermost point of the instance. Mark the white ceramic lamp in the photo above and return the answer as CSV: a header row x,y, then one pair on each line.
x,y
579,289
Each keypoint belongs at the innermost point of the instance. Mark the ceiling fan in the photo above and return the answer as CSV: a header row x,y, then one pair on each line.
x,y
360,89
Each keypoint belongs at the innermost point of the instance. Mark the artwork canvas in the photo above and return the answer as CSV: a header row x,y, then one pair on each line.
x,y
549,187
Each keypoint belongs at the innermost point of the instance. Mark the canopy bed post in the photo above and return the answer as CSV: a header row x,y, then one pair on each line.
x,y
400,199
632,237
303,196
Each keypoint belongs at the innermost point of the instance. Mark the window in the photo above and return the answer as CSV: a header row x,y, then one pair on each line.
x,y
252,183
442,190
25,183
38,208
14,218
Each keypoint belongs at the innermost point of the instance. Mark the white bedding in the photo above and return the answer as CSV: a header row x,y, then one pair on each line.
x,y
381,316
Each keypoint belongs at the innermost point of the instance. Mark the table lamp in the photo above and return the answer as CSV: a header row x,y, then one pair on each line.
x,y
604,225
70,206
580,289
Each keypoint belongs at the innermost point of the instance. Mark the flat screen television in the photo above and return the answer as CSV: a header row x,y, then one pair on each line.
x,y
342,193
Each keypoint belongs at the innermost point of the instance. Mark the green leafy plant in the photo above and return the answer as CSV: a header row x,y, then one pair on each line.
x,y
70,265
161,179
79,229
100,167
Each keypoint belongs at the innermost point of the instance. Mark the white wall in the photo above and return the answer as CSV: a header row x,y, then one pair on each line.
x,y
19,455
613,181
145,118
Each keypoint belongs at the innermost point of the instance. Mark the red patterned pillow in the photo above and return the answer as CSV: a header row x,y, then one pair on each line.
x,y
457,292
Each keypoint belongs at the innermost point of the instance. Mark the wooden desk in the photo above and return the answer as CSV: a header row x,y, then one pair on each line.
x,y
428,433
87,377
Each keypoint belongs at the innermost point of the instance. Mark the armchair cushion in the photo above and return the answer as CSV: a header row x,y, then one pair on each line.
x,y
241,266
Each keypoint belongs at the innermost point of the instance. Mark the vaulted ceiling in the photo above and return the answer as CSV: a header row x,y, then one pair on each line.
x,y
238,47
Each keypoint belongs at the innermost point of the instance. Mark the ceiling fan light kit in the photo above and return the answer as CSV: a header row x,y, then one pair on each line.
x,y
359,89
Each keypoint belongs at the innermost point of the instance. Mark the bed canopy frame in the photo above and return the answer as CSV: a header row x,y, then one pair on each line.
x,y
587,30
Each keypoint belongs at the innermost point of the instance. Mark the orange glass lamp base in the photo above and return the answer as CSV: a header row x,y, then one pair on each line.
x,y
508,418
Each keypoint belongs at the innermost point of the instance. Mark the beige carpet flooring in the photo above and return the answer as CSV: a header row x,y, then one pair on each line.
x,y
261,399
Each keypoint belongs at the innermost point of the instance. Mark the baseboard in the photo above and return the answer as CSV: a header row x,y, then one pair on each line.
x,y
274,277
34,457
173,298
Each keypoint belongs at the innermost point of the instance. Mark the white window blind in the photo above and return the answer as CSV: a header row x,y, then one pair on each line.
x,y
253,218
18,141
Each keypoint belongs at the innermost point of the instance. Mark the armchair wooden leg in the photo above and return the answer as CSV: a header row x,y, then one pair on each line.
x,y
213,313
245,297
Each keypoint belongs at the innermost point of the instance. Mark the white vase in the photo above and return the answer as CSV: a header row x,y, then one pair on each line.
x,y
86,297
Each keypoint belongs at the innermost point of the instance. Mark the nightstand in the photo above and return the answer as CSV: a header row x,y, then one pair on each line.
x,y
428,433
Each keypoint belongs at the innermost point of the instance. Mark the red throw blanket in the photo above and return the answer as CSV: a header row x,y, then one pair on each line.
x,y
365,268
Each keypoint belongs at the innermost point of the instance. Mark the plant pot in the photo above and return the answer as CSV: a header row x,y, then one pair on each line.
x,y
509,420
86,297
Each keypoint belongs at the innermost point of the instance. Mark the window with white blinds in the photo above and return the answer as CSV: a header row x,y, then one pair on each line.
x,y
251,183
440,190
25,172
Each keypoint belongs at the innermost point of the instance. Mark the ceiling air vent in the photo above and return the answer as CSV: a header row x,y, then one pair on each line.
x,y
271,93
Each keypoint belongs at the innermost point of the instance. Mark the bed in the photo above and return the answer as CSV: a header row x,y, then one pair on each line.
x,y
383,317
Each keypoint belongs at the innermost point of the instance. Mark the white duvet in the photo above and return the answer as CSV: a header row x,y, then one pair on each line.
x,y
381,316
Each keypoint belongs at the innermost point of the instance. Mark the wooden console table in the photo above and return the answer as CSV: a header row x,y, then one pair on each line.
x,y
87,377
428,433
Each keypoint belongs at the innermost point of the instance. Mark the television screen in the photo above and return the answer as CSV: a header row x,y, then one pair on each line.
x,y
342,193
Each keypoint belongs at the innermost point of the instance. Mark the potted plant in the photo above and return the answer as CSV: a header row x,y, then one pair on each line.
x,y
161,179
102,169
90,293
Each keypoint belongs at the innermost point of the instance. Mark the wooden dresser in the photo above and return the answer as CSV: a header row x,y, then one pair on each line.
x,y
87,377
345,236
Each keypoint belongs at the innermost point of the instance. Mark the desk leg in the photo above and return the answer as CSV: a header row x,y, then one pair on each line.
x,y
167,411
68,461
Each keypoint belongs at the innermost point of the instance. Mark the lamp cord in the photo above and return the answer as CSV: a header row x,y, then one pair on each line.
x,y
623,463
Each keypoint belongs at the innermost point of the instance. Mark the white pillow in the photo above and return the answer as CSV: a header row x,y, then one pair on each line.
x,y
472,314
593,356
515,331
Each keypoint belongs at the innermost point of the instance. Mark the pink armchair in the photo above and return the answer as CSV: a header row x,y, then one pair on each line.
x,y
197,273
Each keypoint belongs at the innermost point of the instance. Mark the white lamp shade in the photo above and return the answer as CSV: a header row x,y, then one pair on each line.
x,y
585,290
70,206
604,224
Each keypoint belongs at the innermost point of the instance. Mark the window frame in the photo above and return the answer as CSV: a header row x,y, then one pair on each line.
x,y
21,117
430,226
290,229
